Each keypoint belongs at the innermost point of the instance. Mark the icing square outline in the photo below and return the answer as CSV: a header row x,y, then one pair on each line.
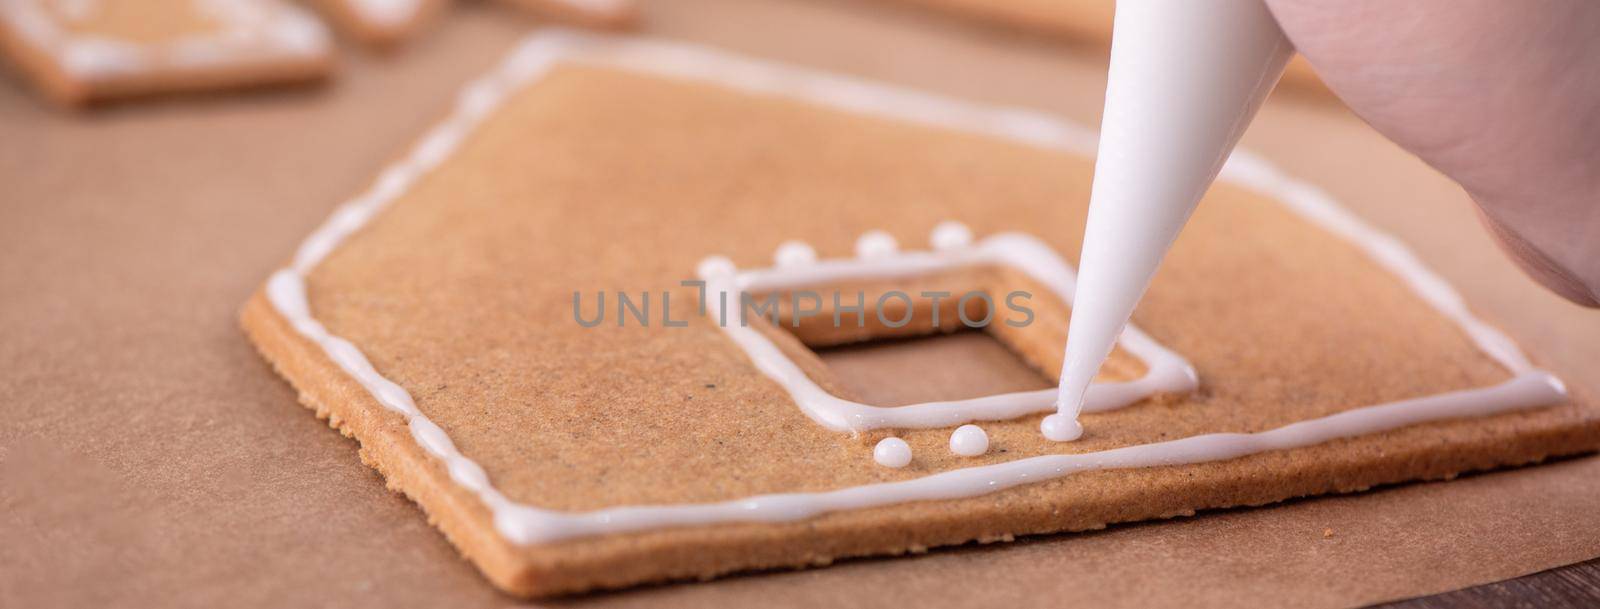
x,y
285,30
1165,370
525,524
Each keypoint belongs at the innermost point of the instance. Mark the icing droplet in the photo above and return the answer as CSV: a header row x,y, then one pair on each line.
x,y
468,473
794,253
480,99
432,438
969,441
435,148
98,57
715,266
875,244
949,235
892,452
300,33
394,397
393,181
386,13
1060,428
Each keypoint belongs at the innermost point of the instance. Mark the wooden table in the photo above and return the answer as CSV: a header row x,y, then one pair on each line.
x,y
1570,586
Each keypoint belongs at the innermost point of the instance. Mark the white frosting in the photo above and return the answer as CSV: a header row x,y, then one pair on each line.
x,y
298,33
600,7
1166,371
1061,427
876,244
1157,157
525,524
234,13
969,441
251,31
892,452
94,55
949,235
385,13
793,254
715,267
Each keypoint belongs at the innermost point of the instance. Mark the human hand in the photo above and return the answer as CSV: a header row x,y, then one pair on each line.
x,y
1503,97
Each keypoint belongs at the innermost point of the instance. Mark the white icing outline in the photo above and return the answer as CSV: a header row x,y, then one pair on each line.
x,y
252,32
525,524
397,13
385,13
1166,371
602,8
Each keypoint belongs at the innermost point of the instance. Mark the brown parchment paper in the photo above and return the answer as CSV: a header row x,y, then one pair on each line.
x,y
148,457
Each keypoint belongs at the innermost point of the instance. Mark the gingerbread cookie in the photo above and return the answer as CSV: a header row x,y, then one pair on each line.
x,y
380,23
78,51
575,324
1085,21
598,14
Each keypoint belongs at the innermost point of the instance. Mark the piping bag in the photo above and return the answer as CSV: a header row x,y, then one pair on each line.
x,y
1186,79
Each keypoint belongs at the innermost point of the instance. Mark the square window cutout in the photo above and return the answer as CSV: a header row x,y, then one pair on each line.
x,y
938,367
1012,286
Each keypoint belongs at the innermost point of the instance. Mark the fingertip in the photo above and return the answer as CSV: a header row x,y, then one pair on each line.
x,y
1540,266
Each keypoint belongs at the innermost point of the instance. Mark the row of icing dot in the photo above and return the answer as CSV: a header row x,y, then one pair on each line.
x,y
967,440
947,235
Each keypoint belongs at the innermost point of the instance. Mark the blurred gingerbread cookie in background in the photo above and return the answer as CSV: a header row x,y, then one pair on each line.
x,y
386,24
1086,23
381,24
80,51
597,14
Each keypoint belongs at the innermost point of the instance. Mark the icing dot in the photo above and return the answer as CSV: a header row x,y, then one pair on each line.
x,y
300,33
794,253
436,147
393,181
468,474
875,244
479,99
96,57
949,235
521,524
892,452
969,441
715,266
1059,428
